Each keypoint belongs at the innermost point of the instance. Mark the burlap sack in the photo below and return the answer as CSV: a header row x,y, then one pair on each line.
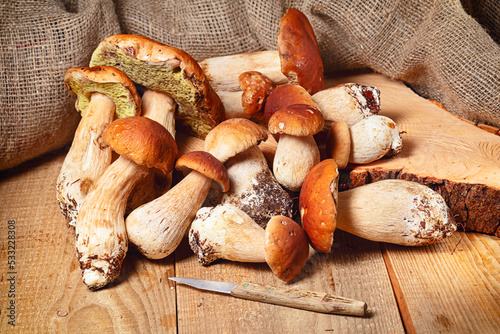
x,y
434,46
39,41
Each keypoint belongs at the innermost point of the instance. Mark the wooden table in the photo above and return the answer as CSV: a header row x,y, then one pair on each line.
x,y
449,287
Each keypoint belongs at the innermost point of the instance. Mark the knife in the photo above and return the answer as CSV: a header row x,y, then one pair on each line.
x,y
302,299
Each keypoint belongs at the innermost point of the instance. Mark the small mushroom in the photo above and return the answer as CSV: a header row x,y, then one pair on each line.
x,y
393,211
157,228
248,100
348,102
368,140
166,69
299,52
256,88
101,238
338,143
297,152
102,92
254,189
226,232
284,96
233,136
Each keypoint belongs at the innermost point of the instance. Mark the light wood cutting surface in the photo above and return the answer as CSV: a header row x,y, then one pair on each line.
x,y
449,287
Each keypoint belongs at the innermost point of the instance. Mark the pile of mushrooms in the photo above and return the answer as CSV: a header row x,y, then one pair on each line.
x,y
233,104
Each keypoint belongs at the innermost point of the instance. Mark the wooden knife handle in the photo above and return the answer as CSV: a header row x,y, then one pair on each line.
x,y
302,299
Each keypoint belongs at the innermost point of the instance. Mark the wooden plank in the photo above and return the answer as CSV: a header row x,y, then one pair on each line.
x,y
355,269
49,293
452,286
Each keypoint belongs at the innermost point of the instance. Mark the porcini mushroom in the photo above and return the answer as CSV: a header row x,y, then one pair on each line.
x,y
102,92
249,99
297,152
299,52
163,68
254,189
157,228
348,102
160,108
393,211
284,96
101,238
368,140
226,232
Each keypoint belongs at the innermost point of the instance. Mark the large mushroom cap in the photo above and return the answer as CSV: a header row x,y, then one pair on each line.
x,y
166,69
206,164
299,52
318,204
284,96
287,248
296,120
84,81
233,136
142,140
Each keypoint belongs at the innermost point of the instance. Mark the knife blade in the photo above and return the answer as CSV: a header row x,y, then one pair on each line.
x,y
301,299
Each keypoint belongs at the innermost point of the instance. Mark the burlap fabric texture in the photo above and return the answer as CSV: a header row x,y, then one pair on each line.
x,y
436,47
39,41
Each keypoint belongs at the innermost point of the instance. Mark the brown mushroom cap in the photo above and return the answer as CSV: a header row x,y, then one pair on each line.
x,y
84,81
299,52
297,120
318,204
256,88
166,69
233,136
287,248
338,143
142,140
206,164
284,96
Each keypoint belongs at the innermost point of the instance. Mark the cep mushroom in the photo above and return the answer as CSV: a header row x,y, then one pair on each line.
x,y
101,238
165,69
102,92
297,152
156,228
348,102
368,140
300,57
254,189
393,211
226,232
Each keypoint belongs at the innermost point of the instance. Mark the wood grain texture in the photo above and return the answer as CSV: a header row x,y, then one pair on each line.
x,y
355,269
452,286
49,293
455,158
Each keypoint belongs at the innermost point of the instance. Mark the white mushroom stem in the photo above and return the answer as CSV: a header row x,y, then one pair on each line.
x,y
160,107
232,104
101,238
395,211
226,232
156,228
349,103
294,158
373,138
87,158
223,72
254,189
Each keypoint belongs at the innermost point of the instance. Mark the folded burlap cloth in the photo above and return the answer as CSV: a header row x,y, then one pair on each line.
x,y
436,47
